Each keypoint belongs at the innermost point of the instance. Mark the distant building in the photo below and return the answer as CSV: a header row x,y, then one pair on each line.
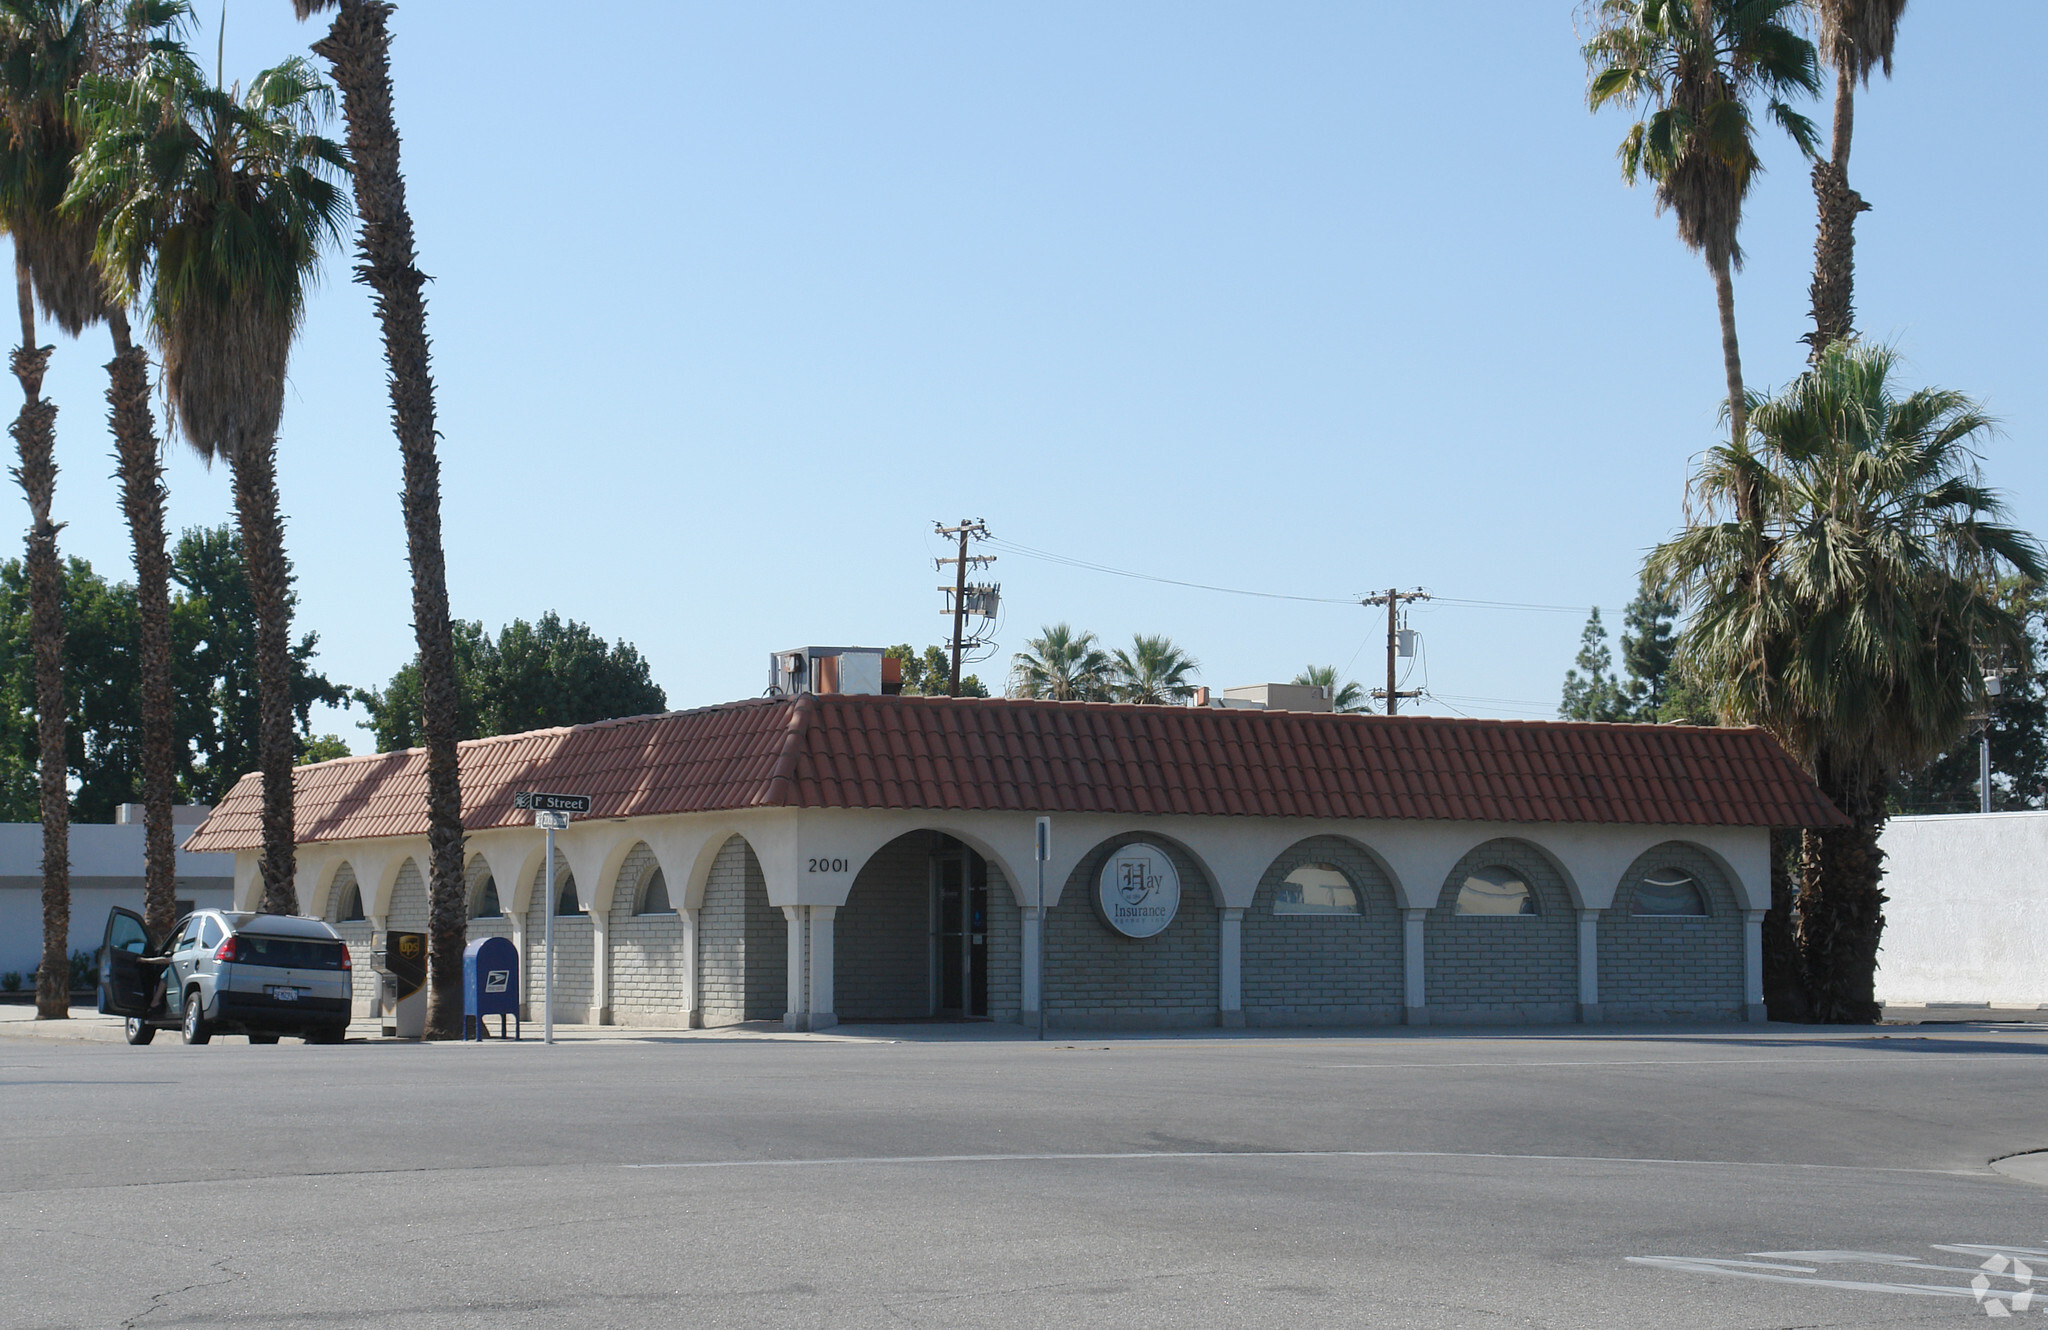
x,y
829,854
106,870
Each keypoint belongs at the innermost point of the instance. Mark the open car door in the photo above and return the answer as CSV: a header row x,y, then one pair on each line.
x,y
126,984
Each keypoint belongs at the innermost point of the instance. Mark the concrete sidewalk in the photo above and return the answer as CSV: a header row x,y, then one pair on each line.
x,y
87,1026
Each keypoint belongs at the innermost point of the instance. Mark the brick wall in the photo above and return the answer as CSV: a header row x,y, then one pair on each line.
x,y
1309,969
573,956
1503,968
1099,979
881,939
410,907
742,942
356,934
1005,949
1672,968
650,970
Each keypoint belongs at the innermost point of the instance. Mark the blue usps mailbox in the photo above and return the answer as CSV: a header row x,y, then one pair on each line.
x,y
490,985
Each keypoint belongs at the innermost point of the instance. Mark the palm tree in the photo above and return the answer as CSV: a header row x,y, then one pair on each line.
x,y
49,45
220,201
44,44
1345,695
358,47
1154,671
1695,67
1061,665
1860,638
1856,36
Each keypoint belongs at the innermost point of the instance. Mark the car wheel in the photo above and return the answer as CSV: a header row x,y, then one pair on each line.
x,y
262,1038
138,1030
197,1028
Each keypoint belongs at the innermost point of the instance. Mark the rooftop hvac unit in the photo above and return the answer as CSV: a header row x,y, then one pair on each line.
x,y
826,670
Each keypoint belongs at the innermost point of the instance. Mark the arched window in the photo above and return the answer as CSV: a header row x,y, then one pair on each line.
x,y
1316,889
351,905
654,896
485,905
1496,889
1669,892
567,901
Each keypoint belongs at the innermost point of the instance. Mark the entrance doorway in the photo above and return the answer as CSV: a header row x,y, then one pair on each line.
x,y
959,889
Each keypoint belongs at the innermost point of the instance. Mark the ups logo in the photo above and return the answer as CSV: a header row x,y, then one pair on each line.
x,y
409,946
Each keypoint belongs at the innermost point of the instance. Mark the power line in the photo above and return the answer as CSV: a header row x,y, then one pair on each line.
x,y
1087,565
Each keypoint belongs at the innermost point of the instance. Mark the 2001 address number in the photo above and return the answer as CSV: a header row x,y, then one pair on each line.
x,y
828,865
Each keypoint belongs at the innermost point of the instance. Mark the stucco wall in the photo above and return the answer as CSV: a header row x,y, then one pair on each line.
x,y
1099,979
1967,921
1665,968
1308,969
1503,968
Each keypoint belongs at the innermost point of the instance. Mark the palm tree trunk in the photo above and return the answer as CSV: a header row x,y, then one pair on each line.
x,y
358,46
142,499
1784,979
255,468
1834,247
35,436
1731,362
1841,906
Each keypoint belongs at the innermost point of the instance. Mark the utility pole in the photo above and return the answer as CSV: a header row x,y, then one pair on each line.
x,y
1393,600
978,529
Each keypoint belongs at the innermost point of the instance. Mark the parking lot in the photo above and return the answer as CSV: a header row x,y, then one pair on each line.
x,y
938,1176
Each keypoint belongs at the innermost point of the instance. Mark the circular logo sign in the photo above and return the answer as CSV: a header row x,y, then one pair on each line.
x,y
1139,892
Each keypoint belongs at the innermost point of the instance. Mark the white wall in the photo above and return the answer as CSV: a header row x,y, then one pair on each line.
x,y
106,870
1968,916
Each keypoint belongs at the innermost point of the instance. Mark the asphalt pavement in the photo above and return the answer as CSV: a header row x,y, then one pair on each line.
x,y
941,1176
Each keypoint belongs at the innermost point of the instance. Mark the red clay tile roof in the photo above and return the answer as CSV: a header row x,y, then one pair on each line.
x,y
1066,757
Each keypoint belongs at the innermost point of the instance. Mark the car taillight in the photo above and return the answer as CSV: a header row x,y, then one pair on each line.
x,y
225,951
346,963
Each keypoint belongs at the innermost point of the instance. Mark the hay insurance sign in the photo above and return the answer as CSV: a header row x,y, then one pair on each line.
x,y
1139,891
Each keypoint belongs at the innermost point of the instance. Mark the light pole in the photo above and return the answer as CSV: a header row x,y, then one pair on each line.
x,y
1994,685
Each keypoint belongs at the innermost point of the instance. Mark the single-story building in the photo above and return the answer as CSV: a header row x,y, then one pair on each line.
x,y
106,871
821,858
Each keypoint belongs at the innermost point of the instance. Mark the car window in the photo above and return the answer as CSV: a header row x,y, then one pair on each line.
x,y
210,936
125,934
185,935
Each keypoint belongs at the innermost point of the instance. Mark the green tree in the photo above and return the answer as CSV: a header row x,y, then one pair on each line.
x,y
2016,724
1851,617
1648,639
214,731
1856,37
358,48
1154,671
1060,665
1590,689
218,672
1346,695
220,203
533,676
1693,70
927,674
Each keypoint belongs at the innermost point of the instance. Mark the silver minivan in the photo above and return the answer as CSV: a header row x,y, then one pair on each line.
x,y
228,972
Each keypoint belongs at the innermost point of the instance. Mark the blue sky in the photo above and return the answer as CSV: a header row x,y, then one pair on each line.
x,y
731,302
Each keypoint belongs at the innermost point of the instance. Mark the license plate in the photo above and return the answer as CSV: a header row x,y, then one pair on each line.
x,y
283,992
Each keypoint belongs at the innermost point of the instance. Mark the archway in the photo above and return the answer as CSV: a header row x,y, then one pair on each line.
x,y
1671,948
930,930
1322,939
1502,943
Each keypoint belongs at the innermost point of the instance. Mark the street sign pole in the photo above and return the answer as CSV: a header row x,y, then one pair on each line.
x,y
547,1001
1044,852
550,813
